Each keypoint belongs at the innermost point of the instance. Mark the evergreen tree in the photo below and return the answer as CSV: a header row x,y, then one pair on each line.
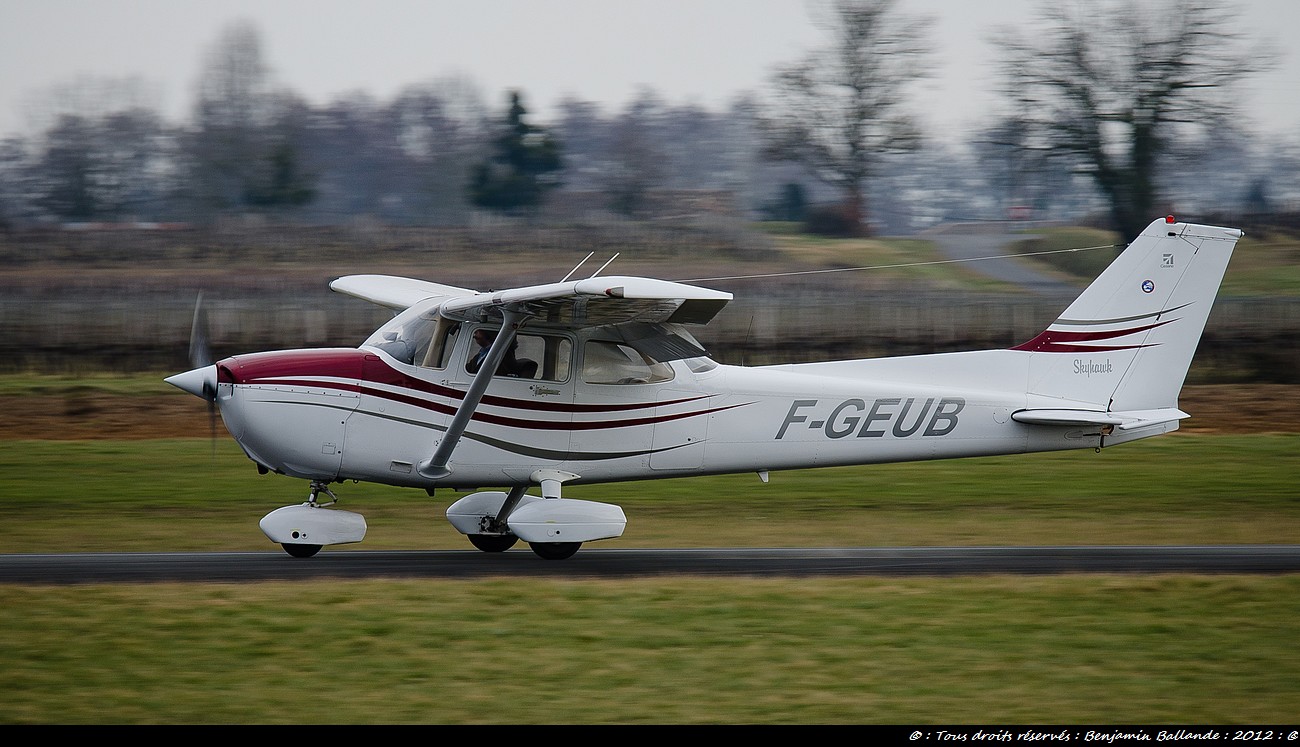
x,y
525,163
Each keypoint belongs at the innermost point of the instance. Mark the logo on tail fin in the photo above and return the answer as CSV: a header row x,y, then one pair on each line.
x,y
1057,340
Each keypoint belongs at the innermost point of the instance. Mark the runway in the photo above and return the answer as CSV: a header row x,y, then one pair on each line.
x,y
78,568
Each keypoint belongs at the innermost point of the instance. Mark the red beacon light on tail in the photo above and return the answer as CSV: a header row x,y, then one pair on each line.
x,y
1170,219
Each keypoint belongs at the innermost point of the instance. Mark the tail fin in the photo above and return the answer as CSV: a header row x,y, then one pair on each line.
x,y
1126,343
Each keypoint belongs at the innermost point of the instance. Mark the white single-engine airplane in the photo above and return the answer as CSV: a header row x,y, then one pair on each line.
x,y
598,380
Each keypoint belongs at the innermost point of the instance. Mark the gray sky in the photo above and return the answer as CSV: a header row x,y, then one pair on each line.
x,y
690,51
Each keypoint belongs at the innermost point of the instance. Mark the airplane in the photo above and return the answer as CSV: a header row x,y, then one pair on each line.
x,y
599,380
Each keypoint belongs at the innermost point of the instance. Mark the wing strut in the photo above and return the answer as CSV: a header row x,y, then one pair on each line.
x,y
436,465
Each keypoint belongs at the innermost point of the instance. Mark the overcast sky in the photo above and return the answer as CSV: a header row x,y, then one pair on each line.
x,y
691,51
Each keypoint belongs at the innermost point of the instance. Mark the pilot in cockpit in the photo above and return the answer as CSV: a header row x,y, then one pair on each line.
x,y
484,339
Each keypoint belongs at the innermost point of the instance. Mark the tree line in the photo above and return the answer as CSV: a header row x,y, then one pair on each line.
x,y
1121,110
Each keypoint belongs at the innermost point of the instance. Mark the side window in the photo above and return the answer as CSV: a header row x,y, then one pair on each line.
x,y
614,363
542,357
555,354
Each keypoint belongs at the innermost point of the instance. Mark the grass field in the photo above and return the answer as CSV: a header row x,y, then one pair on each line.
x,y
1096,649
995,650
190,494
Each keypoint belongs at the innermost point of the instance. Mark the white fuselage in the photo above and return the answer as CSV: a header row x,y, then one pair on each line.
x,y
360,414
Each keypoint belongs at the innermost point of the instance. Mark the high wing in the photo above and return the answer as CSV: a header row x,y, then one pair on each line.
x,y
596,302
592,302
396,293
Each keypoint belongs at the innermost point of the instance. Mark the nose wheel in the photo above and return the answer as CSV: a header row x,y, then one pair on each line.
x,y
300,551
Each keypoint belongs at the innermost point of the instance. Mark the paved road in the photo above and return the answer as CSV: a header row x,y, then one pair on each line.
x,y
972,240
859,561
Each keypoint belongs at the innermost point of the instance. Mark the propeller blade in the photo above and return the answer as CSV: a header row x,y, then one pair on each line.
x,y
201,379
200,349
201,357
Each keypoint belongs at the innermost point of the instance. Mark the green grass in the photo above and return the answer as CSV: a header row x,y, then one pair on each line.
x,y
190,494
129,384
1059,650
1087,263
1264,265
891,259
1094,649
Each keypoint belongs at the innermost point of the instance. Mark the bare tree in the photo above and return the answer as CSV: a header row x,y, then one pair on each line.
x,y
245,146
439,127
92,97
1109,82
229,115
842,107
635,164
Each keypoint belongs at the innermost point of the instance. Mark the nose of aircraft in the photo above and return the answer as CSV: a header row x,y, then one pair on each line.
x,y
201,382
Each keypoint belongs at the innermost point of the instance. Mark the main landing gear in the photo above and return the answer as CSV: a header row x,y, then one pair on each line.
x,y
555,550
503,542
494,533
554,527
493,542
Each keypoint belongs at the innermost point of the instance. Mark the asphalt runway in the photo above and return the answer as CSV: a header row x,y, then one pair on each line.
x,y
75,568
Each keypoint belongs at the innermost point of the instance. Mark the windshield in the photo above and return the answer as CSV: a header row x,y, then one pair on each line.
x,y
406,336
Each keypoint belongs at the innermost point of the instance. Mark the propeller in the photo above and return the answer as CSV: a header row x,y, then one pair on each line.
x,y
201,379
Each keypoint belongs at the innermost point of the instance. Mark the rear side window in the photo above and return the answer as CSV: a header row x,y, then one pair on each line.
x,y
616,363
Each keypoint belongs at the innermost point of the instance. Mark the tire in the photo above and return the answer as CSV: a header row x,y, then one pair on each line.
x,y
300,551
493,542
555,550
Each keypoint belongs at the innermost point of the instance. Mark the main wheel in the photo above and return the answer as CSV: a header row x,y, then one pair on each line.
x,y
493,542
555,550
300,551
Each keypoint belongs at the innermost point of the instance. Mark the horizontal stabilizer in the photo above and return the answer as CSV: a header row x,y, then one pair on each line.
x,y
1126,420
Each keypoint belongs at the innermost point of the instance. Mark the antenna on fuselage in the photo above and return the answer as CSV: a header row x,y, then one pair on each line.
x,y
575,267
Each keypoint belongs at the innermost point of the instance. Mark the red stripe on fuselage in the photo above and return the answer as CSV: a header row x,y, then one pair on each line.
x,y
342,363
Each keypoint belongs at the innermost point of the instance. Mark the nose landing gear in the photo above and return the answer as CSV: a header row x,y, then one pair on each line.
x,y
302,530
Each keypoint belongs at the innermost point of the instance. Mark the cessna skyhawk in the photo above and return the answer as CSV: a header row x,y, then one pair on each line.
x,y
600,380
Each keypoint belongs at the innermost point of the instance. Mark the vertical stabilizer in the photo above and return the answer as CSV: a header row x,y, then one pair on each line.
x,y
1126,343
